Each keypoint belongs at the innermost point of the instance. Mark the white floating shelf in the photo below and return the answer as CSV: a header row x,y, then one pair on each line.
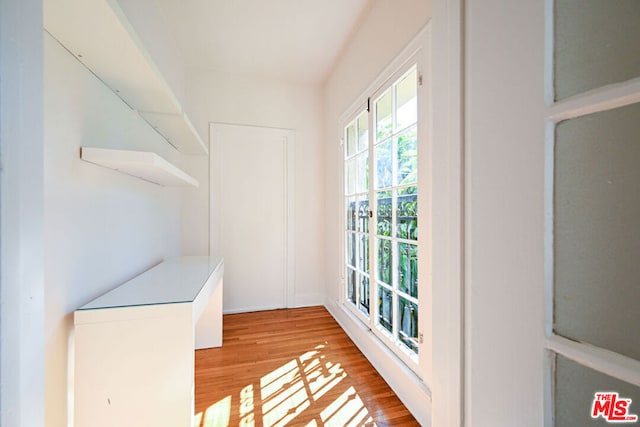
x,y
99,34
178,130
141,164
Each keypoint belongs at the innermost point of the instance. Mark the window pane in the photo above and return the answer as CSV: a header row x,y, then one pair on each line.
x,y
385,264
363,241
384,165
408,269
351,213
384,120
351,139
350,182
363,131
408,333
408,157
385,310
364,294
407,214
385,210
408,190
407,101
363,216
596,43
351,249
351,285
597,229
575,388
362,180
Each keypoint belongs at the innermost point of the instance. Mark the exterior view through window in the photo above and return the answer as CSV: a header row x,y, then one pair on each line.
x,y
381,202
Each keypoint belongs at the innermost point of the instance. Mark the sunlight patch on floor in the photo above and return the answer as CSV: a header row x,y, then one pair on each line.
x,y
246,406
287,392
346,410
217,414
197,419
283,399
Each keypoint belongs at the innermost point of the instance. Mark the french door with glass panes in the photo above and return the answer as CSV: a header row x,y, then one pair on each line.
x,y
592,213
381,203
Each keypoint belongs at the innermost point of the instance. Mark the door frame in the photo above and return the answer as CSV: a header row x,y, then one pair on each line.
x,y
449,388
215,182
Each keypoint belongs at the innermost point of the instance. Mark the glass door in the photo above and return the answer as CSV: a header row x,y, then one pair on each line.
x,y
381,201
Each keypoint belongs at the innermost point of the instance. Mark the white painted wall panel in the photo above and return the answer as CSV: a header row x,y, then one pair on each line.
x,y
101,227
248,100
504,143
21,215
151,23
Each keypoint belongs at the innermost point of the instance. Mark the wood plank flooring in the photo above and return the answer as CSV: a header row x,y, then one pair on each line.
x,y
292,367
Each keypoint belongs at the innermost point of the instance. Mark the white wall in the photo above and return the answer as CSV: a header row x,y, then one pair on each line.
x,y
249,100
504,213
384,32
21,215
150,22
101,227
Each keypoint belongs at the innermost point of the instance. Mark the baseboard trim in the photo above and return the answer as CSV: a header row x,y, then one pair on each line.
x,y
251,309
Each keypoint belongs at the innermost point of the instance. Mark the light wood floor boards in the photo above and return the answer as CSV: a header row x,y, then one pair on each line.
x,y
291,367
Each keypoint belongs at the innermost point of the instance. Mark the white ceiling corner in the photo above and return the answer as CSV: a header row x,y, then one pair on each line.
x,y
293,40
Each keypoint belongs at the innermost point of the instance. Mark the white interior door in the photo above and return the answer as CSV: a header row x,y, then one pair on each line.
x,y
252,215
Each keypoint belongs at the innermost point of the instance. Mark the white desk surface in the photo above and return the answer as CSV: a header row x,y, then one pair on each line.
x,y
177,280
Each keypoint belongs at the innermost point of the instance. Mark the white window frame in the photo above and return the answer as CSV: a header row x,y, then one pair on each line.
x,y
355,310
411,56
593,101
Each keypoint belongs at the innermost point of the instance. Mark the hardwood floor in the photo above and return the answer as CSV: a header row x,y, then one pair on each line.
x,y
292,367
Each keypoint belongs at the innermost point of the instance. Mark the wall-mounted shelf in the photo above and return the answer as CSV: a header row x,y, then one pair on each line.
x,y
178,130
99,34
141,164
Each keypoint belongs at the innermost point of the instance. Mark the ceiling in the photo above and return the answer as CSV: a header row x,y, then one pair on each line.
x,y
293,40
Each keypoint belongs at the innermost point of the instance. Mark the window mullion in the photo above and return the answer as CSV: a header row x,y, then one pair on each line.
x,y
395,276
357,246
373,225
394,219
